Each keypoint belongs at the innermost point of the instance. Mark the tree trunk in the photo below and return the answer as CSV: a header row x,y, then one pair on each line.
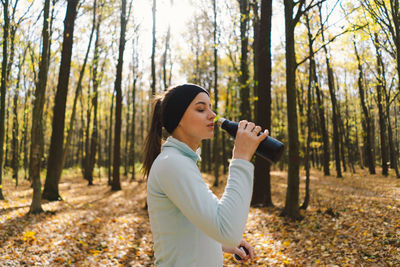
x,y
321,112
309,120
116,185
78,92
262,179
244,66
15,129
165,56
351,147
3,90
54,170
96,83
133,128
367,127
382,121
25,135
153,51
331,85
216,147
291,208
37,119
109,131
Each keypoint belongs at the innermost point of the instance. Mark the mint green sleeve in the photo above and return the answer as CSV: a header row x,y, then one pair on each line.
x,y
222,219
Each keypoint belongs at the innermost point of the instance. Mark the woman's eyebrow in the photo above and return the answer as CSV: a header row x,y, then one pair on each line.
x,y
202,103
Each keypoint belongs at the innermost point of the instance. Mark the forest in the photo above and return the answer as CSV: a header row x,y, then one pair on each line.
x,y
78,80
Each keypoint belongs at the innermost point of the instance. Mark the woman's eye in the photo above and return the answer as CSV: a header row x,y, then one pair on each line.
x,y
200,110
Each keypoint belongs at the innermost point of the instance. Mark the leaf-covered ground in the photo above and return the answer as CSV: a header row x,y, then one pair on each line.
x,y
354,221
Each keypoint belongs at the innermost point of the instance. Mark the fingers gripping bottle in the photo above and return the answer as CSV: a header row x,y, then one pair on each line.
x,y
270,148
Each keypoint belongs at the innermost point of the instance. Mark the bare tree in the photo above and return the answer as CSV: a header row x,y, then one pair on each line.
x,y
50,191
153,51
291,208
37,127
367,121
244,65
262,178
116,184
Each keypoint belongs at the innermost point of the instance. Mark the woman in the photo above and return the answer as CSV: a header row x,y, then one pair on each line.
x,y
190,225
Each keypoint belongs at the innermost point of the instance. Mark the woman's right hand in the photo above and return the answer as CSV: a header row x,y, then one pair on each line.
x,y
247,140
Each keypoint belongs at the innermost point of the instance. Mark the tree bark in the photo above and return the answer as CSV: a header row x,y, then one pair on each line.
x,y
36,130
320,107
244,65
54,170
382,121
78,91
3,90
216,147
291,208
262,179
15,129
109,131
153,51
116,185
335,115
96,84
309,119
367,127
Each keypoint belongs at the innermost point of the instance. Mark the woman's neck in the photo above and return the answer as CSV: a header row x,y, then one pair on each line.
x,y
194,145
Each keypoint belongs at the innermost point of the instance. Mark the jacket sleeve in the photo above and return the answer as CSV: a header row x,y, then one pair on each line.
x,y
222,219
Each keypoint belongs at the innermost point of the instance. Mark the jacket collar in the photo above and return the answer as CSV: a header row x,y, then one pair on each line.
x,y
183,148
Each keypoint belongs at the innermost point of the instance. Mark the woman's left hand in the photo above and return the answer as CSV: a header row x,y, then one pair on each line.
x,y
241,253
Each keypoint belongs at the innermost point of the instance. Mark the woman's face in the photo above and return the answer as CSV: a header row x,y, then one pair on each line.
x,y
197,122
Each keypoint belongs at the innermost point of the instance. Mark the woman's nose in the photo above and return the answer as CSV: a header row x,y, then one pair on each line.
x,y
212,115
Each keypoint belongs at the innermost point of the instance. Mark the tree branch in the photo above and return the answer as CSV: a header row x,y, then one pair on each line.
x,y
328,42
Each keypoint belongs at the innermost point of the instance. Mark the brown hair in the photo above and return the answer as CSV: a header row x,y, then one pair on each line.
x,y
152,146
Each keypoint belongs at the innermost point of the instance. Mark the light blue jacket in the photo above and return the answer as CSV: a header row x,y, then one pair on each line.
x,y
189,223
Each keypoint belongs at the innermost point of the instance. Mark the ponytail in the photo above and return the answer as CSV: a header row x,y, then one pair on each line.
x,y
152,146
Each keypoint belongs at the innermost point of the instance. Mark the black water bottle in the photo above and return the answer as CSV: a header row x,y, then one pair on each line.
x,y
269,149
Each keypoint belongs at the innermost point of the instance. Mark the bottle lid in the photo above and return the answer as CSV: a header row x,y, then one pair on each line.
x,y
220,121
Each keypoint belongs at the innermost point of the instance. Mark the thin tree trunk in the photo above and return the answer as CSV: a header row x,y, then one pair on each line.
x,y
291,208
367,127
96,84
133,119
36,131
25,135
321,111
3,90
54,170
116,185
382,121
244,66
109,130
78,91
309,120
15,129
87,137
216,147
165,56
331,85
133,128
153,51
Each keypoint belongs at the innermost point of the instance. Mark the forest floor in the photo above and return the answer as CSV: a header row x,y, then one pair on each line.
x,y
353,221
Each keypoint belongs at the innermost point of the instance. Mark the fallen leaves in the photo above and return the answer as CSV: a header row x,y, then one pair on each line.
x,y
353,221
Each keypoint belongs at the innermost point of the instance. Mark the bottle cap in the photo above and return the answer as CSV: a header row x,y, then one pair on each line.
x,y
220,121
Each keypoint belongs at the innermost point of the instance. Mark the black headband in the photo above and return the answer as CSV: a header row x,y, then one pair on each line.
x,y
177,102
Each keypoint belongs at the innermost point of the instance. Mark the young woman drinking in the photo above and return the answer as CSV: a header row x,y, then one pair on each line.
x,y
190,225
